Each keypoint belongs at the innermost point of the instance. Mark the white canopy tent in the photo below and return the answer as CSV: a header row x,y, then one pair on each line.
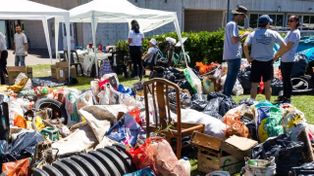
x,y
122,11
29,10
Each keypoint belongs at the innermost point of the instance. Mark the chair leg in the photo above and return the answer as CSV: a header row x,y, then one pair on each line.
x,y
179,147
81,67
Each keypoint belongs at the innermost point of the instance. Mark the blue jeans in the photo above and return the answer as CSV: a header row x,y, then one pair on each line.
x,y
19,60
233,70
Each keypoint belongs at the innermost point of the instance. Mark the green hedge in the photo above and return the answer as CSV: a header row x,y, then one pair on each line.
x,y
202,46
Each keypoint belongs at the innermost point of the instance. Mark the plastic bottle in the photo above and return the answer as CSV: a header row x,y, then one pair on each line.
x,y
186,164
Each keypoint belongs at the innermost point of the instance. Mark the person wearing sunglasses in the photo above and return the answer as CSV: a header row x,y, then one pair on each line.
x,y
287,60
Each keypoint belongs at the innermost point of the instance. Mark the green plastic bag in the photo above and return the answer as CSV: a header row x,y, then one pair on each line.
x,y
193,80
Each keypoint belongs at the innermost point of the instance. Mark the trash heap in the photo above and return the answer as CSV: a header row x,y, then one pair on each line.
x,y
103,130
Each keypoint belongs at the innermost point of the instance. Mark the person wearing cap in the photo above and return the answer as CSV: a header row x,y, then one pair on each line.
x,y
287,60
262,55
232,51
135,40
149,57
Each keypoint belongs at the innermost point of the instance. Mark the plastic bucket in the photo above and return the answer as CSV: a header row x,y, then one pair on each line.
x,y
260,167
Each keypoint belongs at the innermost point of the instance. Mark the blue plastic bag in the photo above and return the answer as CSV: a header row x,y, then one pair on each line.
x,y
143,172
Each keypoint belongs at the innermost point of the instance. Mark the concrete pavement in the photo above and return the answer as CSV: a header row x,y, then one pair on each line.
x,y
34,57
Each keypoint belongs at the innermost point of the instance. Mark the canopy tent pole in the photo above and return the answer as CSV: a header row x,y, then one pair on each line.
x,y
57,23
67,28
178,30
94,29
45,26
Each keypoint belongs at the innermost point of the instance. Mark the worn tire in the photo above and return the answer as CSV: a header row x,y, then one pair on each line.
x,y
58,109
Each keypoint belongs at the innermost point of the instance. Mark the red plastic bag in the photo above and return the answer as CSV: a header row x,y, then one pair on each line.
x,y
135,113
141,156
16,168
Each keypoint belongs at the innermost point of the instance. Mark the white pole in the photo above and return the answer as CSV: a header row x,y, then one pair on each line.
x,y
67,28
94,28
45,25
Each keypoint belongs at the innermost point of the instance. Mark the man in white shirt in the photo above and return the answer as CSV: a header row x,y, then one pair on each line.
x,y
262,55
20,46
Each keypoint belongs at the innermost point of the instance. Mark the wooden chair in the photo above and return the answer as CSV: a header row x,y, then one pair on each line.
x,y
157,101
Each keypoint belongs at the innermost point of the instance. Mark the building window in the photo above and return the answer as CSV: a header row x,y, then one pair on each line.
x,y
277,20
308,22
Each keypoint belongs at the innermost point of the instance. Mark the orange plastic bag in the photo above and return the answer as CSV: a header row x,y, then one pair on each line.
x,y
235,126
16,168
20,121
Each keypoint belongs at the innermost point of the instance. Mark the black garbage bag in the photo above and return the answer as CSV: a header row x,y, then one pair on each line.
x,y
225,103
185,99
277,86
184,84
213,107
23,146
244,79
247,101
4,119
287,153
304,169
158,72
299,66
198,103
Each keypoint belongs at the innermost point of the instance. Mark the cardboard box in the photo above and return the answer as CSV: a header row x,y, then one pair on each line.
x,y
209,161
62,64
239,147
14,71
217,154
60,74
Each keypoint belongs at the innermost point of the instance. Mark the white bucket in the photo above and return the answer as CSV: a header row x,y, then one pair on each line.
x,y
260,167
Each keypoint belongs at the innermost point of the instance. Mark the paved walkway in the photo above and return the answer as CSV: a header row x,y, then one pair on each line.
x,y
34,58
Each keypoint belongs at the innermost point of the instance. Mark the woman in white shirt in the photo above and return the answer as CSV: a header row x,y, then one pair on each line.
x,y
287,60
135,40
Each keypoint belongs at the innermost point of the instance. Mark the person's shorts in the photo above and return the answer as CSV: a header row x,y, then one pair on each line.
x,y
262,71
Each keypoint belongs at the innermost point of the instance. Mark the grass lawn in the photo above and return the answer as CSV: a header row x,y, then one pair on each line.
x,y
303,102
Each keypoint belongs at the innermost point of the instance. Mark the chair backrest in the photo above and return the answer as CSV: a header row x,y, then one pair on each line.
x,y
156,96
74,58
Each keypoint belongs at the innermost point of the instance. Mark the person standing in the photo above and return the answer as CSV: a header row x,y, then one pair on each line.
x,y
20,46
287,60
262,55
3,58
232,51
135,40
